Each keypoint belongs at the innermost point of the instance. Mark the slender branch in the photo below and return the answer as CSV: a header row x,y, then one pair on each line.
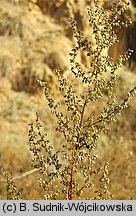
x,y
82,113
117,108
23,175
71,182
74,153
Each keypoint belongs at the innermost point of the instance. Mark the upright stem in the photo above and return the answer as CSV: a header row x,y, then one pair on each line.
x,y
70,190
74,154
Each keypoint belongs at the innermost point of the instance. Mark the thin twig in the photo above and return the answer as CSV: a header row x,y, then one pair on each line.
x,y
23,175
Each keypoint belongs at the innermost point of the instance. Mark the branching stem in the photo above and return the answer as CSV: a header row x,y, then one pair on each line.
x,y
74,154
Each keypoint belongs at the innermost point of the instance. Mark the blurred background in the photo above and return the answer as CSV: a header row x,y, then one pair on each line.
x,y
35,39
